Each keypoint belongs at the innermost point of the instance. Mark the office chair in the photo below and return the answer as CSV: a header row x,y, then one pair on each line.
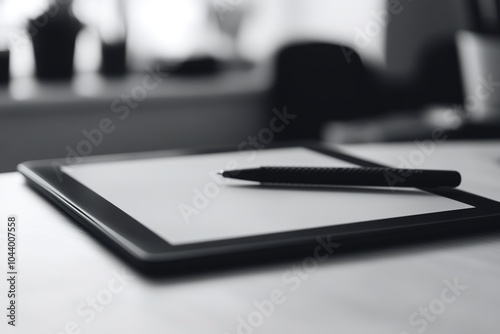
x,y
318,82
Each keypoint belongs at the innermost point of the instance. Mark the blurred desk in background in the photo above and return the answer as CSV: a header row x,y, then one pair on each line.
x,y
61,266
39,120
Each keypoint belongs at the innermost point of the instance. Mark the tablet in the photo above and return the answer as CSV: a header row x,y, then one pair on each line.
x,y
166,211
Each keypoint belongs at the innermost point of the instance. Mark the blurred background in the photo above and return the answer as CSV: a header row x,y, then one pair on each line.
x,y
89,77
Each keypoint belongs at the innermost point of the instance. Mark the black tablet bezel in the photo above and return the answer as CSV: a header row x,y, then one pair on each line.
x,y
147,249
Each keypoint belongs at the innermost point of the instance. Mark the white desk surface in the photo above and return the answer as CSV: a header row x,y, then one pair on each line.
x,y
61,268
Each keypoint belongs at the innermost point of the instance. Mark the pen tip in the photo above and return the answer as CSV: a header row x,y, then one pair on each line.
x,y
220,172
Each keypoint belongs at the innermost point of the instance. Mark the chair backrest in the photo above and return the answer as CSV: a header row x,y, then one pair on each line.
x,y
319,82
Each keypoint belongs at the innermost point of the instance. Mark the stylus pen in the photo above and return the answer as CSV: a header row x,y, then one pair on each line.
x,y
357,176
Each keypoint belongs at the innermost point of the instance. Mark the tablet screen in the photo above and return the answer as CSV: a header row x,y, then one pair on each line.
x,y
183,200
